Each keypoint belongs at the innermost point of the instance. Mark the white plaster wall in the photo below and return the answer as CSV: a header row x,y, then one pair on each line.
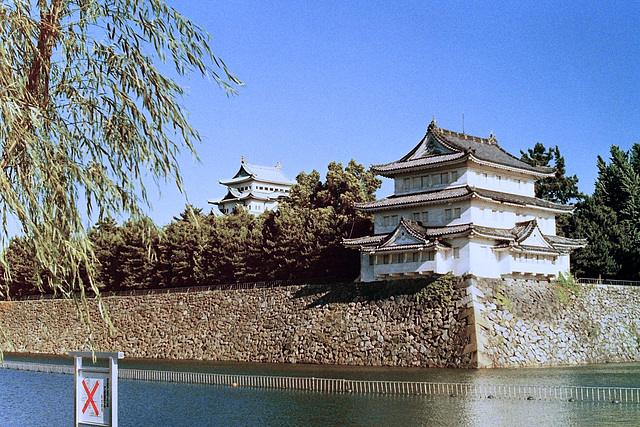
x,y
483,261
268,186
536,264
461,265
501,180
476,257
506,216
443,263
562,264
366,271
430,180
479,176
436,216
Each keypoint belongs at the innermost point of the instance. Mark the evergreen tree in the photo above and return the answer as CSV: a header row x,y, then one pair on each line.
x,y
315,220
136,255
21,276
180,250
610,220
559,188
294,238
106,238
598,224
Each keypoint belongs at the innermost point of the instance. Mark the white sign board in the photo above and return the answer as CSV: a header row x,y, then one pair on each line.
x,y
96,388
93,391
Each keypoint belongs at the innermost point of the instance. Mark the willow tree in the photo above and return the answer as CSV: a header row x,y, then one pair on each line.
x,y
85,114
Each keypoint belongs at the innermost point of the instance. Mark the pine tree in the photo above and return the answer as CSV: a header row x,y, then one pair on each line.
x,y
559,188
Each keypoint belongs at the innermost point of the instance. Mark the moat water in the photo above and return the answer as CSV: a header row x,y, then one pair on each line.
x,y
42,399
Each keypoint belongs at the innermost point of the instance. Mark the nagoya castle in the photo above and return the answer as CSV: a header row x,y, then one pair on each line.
x,y
254,188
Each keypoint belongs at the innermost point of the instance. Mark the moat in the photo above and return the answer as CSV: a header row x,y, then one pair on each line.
x,y
33,399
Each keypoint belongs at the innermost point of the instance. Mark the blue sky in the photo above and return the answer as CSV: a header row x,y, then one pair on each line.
x,y
339,80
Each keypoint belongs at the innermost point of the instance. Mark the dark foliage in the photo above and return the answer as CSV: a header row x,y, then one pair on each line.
x,y
302,239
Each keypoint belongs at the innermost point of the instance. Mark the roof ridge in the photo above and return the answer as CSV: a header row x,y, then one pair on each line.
x,y
460,147
491,140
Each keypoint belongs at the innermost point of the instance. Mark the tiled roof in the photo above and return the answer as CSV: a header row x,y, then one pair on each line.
x,y
237,196
459,146
258,173
498,233
565,241
417,163
521,200
511,238
400,247
525,249
414,228
448,230
364,241
417,198
458,193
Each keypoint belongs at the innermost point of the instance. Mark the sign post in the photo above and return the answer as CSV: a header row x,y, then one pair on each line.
x,y
96,389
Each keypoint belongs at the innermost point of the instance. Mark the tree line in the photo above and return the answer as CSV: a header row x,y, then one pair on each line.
x,y
609,218
301,239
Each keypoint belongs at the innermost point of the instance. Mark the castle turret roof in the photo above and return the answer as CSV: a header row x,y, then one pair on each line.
x,y
441,146
249,172
524,237
460,193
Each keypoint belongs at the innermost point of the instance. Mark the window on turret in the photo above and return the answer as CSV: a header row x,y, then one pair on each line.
x,y
428,256
385,221
435,179
454,176
447,214
456,212
444,178
416,216
425,217
394,219
456,253
415,256
407,183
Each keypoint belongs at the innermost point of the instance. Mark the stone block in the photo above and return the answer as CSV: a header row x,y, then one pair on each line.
x,y
469,348
473,290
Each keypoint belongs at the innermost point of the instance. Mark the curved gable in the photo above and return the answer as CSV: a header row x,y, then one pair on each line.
x,y
242,172
428,147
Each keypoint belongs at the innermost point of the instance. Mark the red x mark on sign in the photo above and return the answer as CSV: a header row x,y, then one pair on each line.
x,y
90,397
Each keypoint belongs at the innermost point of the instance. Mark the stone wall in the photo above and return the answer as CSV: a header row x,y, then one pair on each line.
x,y
531,323
492,323
339,324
